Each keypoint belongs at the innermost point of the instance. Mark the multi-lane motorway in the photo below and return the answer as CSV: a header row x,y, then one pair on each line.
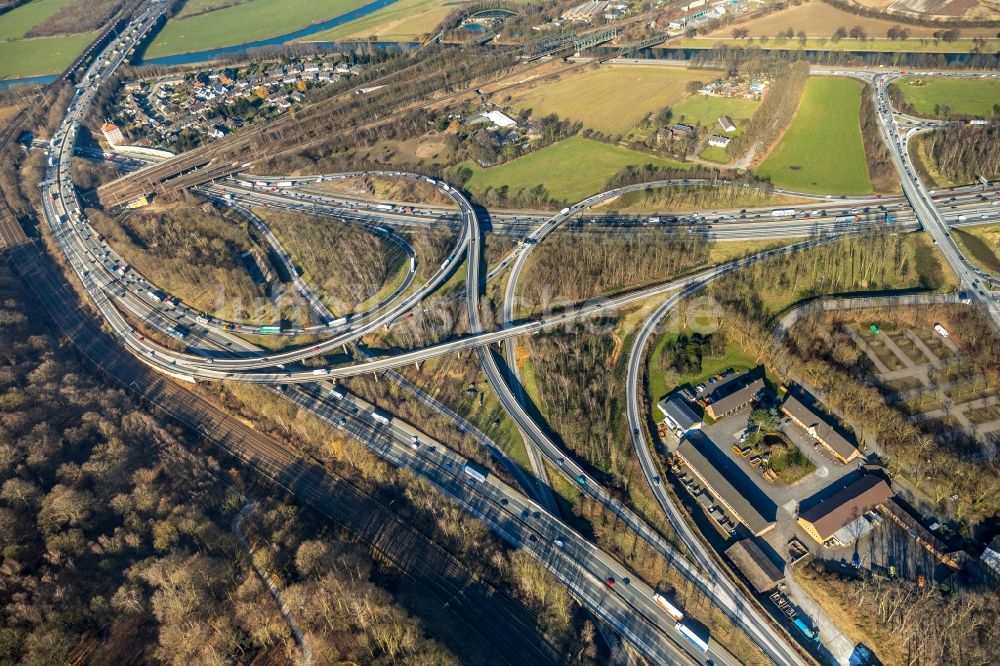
x,y
216,354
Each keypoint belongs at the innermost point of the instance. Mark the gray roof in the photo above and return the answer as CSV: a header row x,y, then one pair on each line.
x,y
753,563
736,398
991,556
729,484
677,410
825,430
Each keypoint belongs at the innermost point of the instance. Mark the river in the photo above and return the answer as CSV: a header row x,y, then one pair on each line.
x,y
215,54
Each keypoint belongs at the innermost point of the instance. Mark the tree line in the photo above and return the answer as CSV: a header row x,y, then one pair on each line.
x,y
774,115
881,169
963,153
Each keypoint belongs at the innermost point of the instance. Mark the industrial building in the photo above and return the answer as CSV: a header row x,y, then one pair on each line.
x,y
730,486
841,519
820,427
585,11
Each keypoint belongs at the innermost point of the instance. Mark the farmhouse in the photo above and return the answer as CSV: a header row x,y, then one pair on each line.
x,y
718,141
112,134
497,118
754,563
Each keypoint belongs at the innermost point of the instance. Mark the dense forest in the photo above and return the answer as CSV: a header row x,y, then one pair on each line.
x,y
908,625
193,252
881,260
120,538
963,153
603,264
345,263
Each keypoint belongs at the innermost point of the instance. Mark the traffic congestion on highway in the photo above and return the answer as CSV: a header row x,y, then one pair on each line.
x,y
207,348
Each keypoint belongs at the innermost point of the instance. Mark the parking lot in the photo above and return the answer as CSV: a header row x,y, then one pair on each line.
x,y
727,431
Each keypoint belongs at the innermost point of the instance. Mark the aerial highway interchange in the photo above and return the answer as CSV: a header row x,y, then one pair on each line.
x,y
526,516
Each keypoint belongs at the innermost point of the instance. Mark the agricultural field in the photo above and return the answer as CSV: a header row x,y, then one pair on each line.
x,y
405,20
21,57
246,22
981,244
822,151
609,99
819,20
42,55
195,7
570,170
971,97
16,22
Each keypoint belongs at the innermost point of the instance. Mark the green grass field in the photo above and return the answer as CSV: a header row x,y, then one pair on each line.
x,y
823,44
571,170
251,21
18,21
405,20
44,55
822,151
982,244
36,57
705,110
662,382
610,99
973,97
192,7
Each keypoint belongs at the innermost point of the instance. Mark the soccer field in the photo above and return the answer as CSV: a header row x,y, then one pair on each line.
x,y
610,99
822,151
570,170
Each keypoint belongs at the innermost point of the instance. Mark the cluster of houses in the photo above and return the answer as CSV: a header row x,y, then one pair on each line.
x,y
155,112
503,130
735,87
